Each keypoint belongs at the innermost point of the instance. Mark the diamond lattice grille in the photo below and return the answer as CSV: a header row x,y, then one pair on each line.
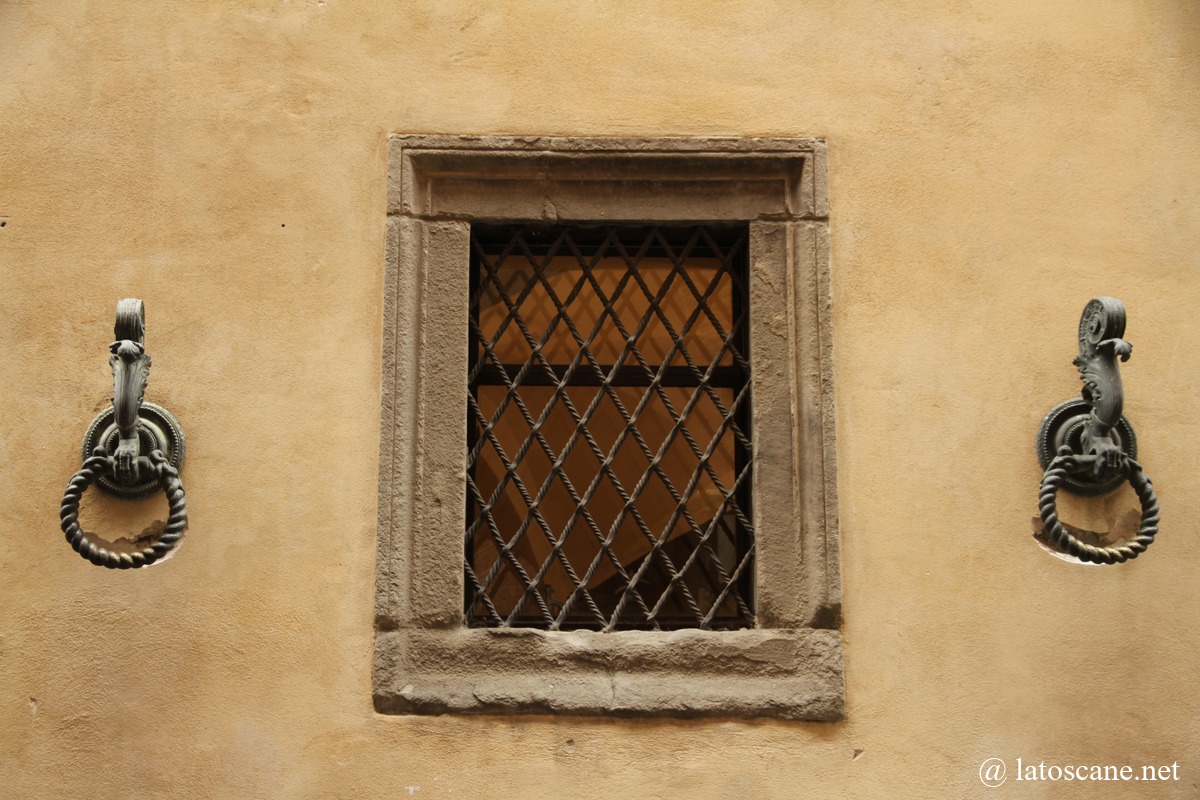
x,y
608,481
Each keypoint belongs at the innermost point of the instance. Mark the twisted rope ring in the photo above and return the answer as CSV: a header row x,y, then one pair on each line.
x,y
93,467
1064,464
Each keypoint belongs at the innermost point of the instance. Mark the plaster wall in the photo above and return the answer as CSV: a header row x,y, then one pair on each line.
x,y
992,166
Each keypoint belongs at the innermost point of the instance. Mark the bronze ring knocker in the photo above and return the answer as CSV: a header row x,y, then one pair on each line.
x,y
113,447
1087,446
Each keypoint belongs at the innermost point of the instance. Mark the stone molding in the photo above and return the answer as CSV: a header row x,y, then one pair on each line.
x,y
426,661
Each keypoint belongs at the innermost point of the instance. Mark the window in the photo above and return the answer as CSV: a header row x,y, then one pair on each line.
x,y
607,467
608,450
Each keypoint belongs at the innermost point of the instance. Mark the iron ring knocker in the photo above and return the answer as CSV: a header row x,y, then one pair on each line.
x,y
100,463
1087,446
114,445
1067,463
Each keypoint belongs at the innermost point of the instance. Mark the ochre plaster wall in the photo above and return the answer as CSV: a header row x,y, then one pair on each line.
x,y
992,167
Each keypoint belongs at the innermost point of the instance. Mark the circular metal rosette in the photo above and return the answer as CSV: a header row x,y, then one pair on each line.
x,y
1063,426
157,430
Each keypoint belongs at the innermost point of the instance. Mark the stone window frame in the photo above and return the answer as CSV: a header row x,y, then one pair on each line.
x,y
790,665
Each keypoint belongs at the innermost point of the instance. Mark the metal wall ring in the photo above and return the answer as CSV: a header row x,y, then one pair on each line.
x,y
1056,475
99,463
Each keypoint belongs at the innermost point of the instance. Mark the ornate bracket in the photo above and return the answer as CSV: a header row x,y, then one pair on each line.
x,y
130,450
1086,445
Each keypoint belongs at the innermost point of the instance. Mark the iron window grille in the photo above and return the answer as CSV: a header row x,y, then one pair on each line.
x,y
608,428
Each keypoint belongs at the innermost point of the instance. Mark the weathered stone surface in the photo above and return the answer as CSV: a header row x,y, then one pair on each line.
x,y
789,674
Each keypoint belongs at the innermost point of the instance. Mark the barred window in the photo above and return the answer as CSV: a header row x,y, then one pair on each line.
x,y
608,450
607,479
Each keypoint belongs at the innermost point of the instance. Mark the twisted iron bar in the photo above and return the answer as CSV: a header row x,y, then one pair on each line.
x,y
101,463
1067,462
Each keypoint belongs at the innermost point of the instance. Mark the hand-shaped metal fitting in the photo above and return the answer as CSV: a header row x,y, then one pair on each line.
x,y
1087,446
130,450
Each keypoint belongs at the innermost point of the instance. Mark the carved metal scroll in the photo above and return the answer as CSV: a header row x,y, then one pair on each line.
x,y
130,450
1087,446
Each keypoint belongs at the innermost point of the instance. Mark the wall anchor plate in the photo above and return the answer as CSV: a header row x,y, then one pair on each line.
x,y
157,430
1064,426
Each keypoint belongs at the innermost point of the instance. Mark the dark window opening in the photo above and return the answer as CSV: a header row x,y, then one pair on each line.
x,y
608,428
